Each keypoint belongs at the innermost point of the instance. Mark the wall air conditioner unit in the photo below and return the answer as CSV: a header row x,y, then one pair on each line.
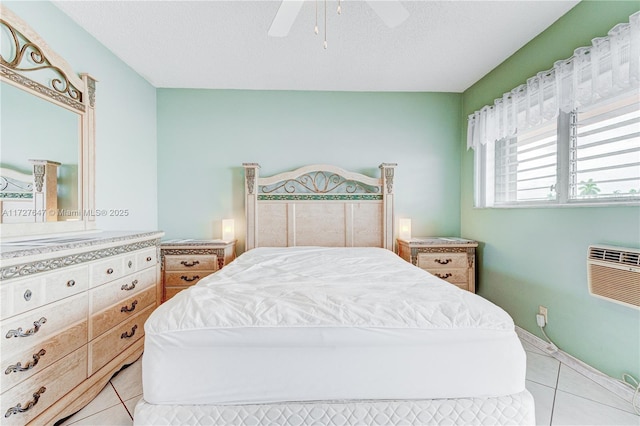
x,y
613,273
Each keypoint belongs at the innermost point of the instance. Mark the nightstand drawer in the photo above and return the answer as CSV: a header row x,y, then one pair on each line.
x,y
169,292
184,278
430,261
185,262
191,262
451,275
451,259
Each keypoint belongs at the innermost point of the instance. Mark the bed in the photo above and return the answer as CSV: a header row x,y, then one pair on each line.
x,y
319,322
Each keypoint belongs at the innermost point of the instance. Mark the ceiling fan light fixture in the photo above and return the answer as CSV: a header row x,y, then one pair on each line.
x,y
392,13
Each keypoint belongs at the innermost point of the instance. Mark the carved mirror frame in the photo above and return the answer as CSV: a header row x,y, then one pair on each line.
x,y
66,89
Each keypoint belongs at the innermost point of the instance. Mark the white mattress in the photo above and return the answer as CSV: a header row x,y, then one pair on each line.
x,y
308,324
511,410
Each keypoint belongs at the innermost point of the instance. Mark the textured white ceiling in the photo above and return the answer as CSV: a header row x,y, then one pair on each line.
x,y
444,46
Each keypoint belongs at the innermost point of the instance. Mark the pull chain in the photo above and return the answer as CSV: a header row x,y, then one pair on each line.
x,y
315,30
325,24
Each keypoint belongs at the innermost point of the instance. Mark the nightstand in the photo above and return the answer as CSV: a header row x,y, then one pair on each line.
x,y
185,262
452,259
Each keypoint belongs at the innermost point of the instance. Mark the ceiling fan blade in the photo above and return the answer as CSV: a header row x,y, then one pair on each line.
x,y
392,13
285,17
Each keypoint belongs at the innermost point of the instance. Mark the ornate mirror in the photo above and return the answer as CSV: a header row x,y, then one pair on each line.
x,y
47,134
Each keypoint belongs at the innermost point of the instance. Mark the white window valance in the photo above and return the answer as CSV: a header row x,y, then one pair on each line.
x,y
609,67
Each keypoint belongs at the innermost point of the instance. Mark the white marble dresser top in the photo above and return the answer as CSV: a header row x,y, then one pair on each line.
x,y
15,247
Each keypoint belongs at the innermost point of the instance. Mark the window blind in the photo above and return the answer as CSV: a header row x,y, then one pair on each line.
x,y
605,150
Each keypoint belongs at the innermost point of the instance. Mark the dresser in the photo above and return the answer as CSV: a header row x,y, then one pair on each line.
x,y
72,313
452,259
187,261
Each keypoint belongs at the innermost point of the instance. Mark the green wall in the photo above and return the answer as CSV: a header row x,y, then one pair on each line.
x,y
204,136
126,160
530,257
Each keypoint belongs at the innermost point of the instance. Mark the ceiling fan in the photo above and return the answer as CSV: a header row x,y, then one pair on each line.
x,y
392,13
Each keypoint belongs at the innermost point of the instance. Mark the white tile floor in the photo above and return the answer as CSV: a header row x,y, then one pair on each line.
x,y
562,396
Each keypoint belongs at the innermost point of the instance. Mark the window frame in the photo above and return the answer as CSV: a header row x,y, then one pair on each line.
x,y
485,180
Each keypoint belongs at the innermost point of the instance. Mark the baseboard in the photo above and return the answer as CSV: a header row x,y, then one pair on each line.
x,y
607,382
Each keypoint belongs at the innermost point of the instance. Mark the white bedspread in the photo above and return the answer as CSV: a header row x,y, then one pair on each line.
x,y
310,323
337,287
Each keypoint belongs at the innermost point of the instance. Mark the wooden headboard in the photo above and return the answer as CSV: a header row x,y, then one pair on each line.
x,y
319,205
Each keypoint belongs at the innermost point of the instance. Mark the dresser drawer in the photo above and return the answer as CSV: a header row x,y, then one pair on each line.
x,y
35,358
66,283
38,325
18,296
107,270
107,346
108,318
431,261
44,388
25,294
191,262
146,258
184,278
130,261
114,292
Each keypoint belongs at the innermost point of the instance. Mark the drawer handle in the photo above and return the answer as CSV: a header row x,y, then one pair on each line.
x,y
71,283
31,331
131,309
110,271
148,258
126,287
27,295
18,408
443,262
28,366
130,264
126,335
190,264
445,276
187,279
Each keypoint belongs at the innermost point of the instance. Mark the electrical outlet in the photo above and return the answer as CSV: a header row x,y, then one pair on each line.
x,y
543,311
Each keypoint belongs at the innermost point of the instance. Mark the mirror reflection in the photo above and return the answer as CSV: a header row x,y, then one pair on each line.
x,y
32,128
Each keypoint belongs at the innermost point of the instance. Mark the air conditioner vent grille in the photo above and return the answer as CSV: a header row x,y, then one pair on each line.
x,y
613,273
616,256
631,259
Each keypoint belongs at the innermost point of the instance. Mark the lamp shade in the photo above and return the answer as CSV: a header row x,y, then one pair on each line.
x,y
228,230
405,228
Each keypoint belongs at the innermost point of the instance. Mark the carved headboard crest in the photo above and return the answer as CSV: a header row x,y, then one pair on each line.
x,y
319,184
